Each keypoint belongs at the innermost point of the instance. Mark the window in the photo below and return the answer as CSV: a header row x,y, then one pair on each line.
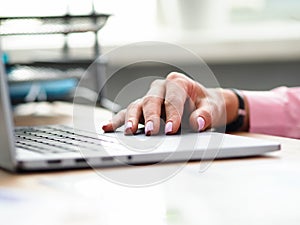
x,y
136,20
132,17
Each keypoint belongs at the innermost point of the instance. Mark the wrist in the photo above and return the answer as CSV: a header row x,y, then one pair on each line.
x,y
231,105
237,118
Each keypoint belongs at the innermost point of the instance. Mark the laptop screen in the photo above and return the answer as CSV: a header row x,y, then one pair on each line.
x,y
7,148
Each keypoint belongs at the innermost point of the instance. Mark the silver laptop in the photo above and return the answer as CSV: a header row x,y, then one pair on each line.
x,y
61,147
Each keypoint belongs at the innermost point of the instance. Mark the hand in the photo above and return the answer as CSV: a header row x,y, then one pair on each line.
x,y
180,101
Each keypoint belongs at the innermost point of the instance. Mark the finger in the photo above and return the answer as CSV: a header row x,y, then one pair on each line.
x,y
210,110
175,98
152,104
116,122
132,117
201,118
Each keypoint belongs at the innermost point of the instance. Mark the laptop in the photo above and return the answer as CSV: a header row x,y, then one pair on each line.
x,y
57,147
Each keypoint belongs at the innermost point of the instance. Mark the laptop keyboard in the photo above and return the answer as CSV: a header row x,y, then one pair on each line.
x,y
61,139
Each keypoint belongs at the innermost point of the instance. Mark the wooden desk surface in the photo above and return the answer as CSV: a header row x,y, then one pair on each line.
x,y
260,190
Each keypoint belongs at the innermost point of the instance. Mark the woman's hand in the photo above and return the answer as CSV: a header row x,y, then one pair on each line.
x,y
180,101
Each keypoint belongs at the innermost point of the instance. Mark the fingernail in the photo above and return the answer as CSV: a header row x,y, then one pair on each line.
x,y
168,127
128,126
105,125
148,128
201,123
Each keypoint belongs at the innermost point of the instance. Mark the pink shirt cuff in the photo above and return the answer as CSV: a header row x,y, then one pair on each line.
x,y
274,112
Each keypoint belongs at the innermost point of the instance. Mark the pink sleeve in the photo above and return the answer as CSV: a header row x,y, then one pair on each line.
x,y
275,112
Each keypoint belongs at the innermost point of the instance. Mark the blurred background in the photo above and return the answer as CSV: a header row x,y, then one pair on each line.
x,y
248,44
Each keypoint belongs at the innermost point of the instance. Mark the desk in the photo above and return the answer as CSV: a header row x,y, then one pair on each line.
x,y
260,190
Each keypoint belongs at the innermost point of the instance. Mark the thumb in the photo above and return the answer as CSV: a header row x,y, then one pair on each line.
x,y
201,119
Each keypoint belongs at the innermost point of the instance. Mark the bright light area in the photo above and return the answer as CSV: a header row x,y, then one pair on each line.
x,y
166,20
131,20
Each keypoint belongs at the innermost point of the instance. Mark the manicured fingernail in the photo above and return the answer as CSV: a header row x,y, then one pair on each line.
x,y
128,126
106,125
168,127
149,128
201,123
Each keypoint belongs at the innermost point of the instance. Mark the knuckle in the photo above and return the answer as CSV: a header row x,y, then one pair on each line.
x,y
173,109
157,82
201,90
174,100
133,106
151,114
179,79
151,106
151,100
174,76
